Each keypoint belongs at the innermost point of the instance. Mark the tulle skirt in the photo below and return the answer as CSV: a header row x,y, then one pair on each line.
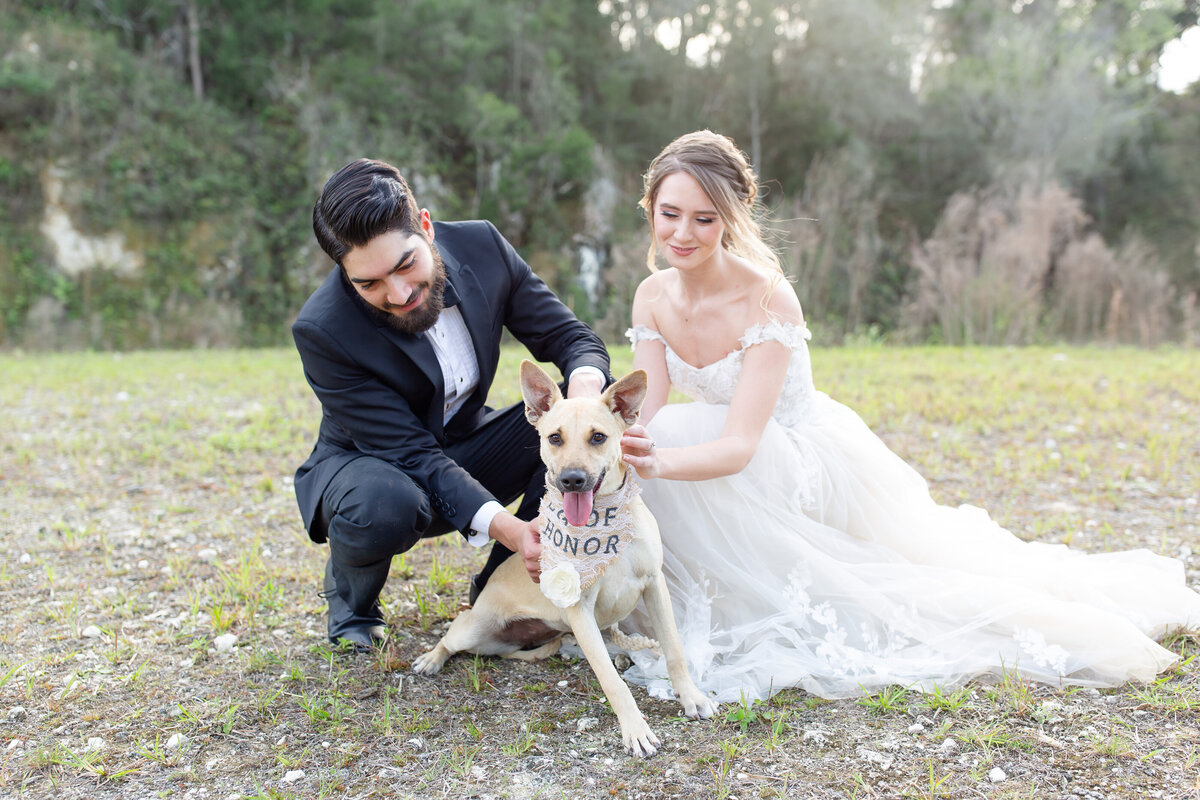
x,y
826,565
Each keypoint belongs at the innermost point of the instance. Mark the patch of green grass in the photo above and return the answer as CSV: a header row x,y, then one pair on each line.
x,y
743,713
889,700
441,577
990,737
475,675
326,710
1166,696
937,700
521,744
731,749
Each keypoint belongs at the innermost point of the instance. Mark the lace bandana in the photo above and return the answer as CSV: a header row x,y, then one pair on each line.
x,y
587,549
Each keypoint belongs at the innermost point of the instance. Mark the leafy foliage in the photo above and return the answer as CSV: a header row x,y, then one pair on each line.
x,y
201,131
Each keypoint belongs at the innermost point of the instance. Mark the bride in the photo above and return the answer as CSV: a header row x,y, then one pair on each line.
x,y
799,550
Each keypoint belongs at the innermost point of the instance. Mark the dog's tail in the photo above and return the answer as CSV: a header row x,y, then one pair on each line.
x,y
634,642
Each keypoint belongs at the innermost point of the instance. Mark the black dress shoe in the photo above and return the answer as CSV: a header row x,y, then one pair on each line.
x,y
475,588
496,557
365,631
365,639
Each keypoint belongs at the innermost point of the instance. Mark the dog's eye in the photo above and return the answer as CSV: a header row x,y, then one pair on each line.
x,y
554,438
599,438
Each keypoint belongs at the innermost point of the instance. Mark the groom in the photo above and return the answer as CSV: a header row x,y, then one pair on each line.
x,y
400,344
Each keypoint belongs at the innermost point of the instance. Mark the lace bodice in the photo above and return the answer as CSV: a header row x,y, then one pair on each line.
x,y
715,383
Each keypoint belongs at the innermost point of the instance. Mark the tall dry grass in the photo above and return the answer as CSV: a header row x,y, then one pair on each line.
x,y
833,245
1019,265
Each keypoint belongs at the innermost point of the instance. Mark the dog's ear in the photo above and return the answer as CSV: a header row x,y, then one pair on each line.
x,y
625,397
538,389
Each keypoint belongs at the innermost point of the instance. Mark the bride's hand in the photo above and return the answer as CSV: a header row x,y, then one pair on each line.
x,y
638,451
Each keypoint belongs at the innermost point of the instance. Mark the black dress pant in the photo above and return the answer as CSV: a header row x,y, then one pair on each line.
x,y
373,511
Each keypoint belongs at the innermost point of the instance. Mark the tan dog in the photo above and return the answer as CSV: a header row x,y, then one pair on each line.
x,y
581,447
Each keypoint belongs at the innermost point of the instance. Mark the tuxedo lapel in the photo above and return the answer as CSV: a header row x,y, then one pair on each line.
x,y
420,352
477,315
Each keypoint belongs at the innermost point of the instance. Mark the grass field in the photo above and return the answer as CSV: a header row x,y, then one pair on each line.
x,y
147,505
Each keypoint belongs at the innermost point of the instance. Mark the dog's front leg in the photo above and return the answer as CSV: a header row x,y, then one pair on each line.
x,y
635,731
696,704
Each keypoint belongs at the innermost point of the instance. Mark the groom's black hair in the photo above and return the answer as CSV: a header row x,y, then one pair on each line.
x,y
360,201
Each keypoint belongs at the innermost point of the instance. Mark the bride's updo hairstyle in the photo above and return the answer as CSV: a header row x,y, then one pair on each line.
x,y
725,175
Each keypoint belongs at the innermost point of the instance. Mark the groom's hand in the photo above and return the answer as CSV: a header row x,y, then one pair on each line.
x,y
585,382
523,538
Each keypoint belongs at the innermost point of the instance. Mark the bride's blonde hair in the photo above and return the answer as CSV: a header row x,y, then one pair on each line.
x,y
725,175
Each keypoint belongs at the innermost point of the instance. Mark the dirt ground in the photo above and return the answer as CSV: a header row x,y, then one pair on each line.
x,y
164,637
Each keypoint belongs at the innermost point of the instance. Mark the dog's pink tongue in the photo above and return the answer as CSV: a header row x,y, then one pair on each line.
x,y
578,507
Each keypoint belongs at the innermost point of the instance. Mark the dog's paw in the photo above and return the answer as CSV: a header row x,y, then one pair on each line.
x,y
639,740
428,663
697,705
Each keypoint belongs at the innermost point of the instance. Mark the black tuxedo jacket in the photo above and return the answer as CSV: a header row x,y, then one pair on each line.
x,y
381,391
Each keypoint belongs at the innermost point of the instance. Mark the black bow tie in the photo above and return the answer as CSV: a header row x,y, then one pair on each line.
x,y
449,296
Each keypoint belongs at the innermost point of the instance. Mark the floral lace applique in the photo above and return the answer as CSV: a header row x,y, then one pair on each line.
x,y
773,331
1048,656
715,383
640,333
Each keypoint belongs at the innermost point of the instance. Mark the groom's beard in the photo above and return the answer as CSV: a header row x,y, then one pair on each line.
x,y
421,318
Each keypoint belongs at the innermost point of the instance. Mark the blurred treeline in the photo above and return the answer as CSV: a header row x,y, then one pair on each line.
x,y
957,171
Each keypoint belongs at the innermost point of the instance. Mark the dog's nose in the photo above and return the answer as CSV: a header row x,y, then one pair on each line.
x,y
573,480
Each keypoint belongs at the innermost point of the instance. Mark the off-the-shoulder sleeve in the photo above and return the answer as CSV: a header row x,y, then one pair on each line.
x,y
640,333
785,332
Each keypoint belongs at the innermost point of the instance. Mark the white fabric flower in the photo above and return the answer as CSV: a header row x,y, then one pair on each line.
x,y
561,585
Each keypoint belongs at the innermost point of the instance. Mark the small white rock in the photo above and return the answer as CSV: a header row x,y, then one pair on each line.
x,y
995,775
143,564
177,741
25,558
225,642
584,723
815,736
874,757
95,744
17,713
561,684
207,554
293,775
916,728
92,632
949,745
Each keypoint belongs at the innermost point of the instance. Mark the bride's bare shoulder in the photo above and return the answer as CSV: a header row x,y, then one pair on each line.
x,y
655,288
776,299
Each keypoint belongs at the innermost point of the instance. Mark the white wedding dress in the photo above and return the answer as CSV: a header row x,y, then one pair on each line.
x,y
826,565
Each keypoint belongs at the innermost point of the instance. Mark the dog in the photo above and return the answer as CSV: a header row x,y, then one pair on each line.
x,y
580,441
